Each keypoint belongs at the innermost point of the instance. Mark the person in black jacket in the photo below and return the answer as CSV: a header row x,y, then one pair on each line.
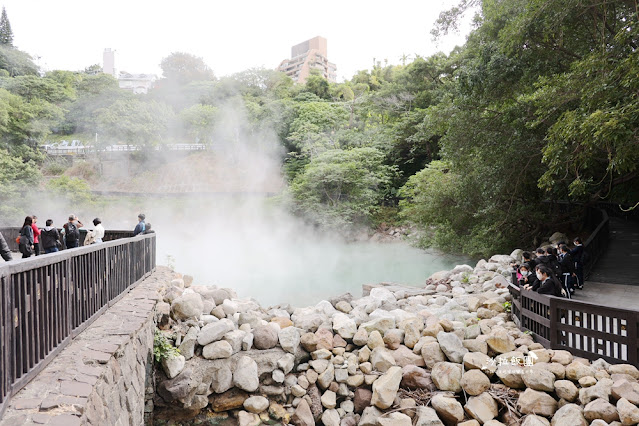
x,y
546,283
4,249
527,276
50,236
26,238
567,268
578,256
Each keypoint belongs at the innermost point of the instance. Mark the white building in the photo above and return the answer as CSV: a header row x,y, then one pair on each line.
x,y
136,83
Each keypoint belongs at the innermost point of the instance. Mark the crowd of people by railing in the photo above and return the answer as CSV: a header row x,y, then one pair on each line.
x,y
33,240
555,270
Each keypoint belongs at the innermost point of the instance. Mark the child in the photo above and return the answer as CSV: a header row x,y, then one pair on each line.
x,y
526,276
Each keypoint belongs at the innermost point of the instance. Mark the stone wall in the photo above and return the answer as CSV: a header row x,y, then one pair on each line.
x,y
105,376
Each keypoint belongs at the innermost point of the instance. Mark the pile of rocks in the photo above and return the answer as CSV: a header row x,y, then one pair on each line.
x,y
447,353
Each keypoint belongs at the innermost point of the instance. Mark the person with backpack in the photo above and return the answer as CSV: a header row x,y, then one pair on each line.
x,y
141,226
25,241
5,252
51,240
579,256
72,232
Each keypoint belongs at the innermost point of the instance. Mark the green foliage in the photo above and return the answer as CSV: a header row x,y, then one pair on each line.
x,y
17,174
6,34
507,306
162,348
16,62
184,68
341,187
199,121
73,189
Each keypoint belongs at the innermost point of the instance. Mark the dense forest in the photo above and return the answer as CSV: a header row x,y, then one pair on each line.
x,y
541,103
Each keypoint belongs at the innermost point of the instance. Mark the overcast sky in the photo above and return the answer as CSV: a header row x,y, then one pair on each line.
x,y
231,36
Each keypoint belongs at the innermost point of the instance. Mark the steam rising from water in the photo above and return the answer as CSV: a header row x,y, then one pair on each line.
x,y
241,239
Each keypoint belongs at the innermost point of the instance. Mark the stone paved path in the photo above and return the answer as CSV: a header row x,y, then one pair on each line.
x,y
63,392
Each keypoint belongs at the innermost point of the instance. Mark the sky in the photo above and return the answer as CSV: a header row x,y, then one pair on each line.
x,y
230,36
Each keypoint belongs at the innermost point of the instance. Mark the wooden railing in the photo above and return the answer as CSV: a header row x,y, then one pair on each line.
x,y
45,301
585,329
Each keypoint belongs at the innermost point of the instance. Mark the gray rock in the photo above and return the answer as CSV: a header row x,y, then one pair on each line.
x,y
265,337
448,408
256,404
452,346
395,419
344,326
535,402
173,365
289,339
427,416
245,374
385,388
370,417
330,418
447,376
187,306
303,415
217,350
214,331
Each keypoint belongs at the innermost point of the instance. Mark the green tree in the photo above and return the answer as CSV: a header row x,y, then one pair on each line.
x,y
199,121
183,68
17,175
16,62
339,188
6,34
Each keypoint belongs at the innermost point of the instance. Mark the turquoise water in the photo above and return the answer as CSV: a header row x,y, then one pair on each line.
x,y
262,251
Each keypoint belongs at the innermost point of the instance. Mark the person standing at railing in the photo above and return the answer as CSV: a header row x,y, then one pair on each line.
x,y
36,236
141,226
5,252
578,256
25,241
51,240
96,235
567,268
546,283
72,232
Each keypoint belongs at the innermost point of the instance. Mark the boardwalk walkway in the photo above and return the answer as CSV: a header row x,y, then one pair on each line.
x,y
620,263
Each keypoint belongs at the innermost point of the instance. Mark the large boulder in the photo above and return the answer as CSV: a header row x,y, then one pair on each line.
x,y
452,346
448,408
474,382
483,407
569,414
187,306
576,370
447,376
567,390
432,354
344,325
414,377
245,374
214,331
265,337
535,402
601,409
501,342
539,379
427,416
385,388
628,412
626,389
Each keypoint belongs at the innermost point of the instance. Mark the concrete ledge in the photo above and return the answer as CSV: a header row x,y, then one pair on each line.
x,y
101,378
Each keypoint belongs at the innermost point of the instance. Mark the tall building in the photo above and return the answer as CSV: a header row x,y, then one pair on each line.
x,y
308,55
108,62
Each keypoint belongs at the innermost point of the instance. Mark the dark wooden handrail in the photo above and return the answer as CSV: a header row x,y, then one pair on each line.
x,y
45,301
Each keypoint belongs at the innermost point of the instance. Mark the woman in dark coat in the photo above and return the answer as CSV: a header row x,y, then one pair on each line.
x,y
26,238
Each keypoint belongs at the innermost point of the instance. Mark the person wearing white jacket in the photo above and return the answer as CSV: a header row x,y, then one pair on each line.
x,y
96,235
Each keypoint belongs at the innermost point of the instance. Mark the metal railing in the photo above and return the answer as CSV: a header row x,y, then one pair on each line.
x,y
45,301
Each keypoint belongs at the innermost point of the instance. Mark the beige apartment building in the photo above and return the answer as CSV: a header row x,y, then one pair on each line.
x,y
306,56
